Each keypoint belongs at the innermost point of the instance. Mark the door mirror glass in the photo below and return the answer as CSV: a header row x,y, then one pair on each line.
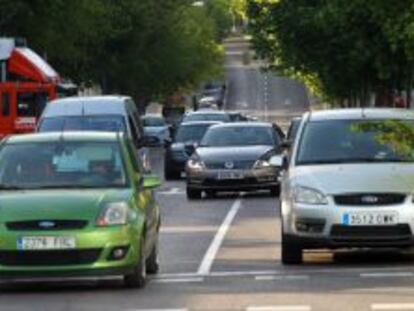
x,y
151,182
276,160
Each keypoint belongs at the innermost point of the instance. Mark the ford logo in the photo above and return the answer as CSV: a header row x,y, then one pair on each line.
x,y
46,224
369,199
229,165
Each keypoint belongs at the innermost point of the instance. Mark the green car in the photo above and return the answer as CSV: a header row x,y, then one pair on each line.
x,y
76,204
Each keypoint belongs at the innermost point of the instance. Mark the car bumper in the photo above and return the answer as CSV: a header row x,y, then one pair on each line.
x,y
322,226
251,180
92,255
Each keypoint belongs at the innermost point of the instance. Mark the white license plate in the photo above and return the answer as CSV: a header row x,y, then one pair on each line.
x,y
370,218
46,243
230,176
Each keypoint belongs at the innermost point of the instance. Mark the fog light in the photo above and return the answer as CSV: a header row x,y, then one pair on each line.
x,y
310,225
118,253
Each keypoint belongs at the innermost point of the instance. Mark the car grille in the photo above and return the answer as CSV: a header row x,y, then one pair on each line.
x,y
370,199
370,234
49,257
46,225
236,165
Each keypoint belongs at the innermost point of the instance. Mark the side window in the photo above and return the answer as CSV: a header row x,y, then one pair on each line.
x,y
136,162
134,132
5,104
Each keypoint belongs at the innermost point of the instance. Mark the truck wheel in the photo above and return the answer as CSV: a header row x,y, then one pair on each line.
x,y
193,194
291,252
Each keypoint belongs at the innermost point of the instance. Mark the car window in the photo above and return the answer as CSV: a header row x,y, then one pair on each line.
x,y
224,136
62,164
207,117
153,121
192,133
83,123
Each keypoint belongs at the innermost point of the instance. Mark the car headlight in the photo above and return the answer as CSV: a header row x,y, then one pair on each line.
x,y
113,214
261,164
196,165
309,196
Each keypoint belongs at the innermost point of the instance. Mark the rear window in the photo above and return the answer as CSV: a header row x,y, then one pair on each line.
x,y
83,123
208,117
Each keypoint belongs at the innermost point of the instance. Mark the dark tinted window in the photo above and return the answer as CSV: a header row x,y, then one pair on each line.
x,y
224,136
30,104
85,123
221,117
5,104
193,133
153,121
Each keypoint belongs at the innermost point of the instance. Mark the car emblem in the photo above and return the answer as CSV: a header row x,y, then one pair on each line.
x,y
47,224
369,199
229,165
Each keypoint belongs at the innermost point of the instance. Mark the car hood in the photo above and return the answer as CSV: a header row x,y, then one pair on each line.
x,y
221,154
57,204
354,178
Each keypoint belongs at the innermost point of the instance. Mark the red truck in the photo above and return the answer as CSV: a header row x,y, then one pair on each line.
x,y
27,83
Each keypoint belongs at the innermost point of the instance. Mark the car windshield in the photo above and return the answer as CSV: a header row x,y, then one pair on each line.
x,y
238,136
153,121
356,141
61,165
207,117
293,129
83,123
192,133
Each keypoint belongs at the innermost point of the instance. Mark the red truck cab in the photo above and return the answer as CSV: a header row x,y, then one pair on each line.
x,y
27,83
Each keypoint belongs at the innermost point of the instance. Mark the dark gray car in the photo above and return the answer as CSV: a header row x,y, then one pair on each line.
x,y
235,157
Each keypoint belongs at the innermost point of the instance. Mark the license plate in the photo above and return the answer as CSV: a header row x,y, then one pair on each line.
x,y
370,219
45,243
230,175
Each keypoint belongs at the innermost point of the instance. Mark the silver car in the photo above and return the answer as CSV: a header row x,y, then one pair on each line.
x,y
350,182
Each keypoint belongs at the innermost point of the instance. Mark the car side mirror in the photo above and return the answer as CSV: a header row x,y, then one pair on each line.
x,y
276,160
190,148
151,182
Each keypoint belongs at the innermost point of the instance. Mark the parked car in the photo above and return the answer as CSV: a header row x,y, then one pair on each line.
x,y
97,113
235,157
77,204
349,183
188,136
207,115
156,129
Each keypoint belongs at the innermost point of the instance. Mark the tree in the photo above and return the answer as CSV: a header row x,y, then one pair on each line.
x,y
346,49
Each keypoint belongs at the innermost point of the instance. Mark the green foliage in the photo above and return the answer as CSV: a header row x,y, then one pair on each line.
x,y
349,48
147,49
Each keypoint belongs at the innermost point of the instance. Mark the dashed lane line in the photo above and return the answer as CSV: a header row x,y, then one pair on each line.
x,y
387,275
282,278
179,280
392,306
207,262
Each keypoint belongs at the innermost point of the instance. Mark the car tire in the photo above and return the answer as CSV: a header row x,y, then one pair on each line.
x,y
291,252
152,261
193,194
138,277
275,191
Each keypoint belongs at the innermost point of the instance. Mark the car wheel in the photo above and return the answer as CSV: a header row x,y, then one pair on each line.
x,y
275,191
138,277
193,194
291,252
152,261
171,175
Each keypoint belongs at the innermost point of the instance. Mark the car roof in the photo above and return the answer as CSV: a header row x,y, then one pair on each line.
x,y
76,136
200,123
244,124
89,105
361,113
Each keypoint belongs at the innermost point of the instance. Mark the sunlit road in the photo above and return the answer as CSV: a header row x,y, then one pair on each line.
x,y
224,253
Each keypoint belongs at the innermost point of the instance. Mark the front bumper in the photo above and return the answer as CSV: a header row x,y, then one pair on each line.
x,y
322,226
251,180
92,255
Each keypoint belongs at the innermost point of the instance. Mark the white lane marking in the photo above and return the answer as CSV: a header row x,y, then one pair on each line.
x,y
172,191
392,306
207,262
240,273
181,280
280,308
387,275
188,229
281,277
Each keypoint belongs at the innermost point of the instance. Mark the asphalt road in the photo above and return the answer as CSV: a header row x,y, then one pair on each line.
x,y
224,253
